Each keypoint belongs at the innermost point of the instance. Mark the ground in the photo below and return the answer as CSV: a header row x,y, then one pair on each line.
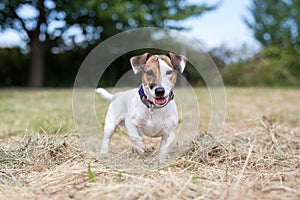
x,y
255,156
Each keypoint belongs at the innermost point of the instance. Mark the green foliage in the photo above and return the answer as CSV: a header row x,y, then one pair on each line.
x,y
46,26
91,175
226,171
276,23
158,167
119,177
13,67
96,19
60,69
272,67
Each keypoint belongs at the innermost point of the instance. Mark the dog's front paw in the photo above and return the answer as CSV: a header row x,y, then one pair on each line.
x,y
138,150
104,151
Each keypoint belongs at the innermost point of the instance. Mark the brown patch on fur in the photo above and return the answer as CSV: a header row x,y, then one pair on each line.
x,y
176,60
167,60
138,62
151,69
173,77
152,79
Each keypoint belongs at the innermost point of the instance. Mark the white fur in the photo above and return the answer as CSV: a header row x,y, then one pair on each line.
x,y
127,108
165,81
105,95
182,65
164,78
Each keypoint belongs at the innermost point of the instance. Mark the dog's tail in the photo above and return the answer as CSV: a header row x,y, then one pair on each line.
x,y
104,94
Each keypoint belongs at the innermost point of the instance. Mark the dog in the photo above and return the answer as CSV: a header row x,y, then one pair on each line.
x,y
148,110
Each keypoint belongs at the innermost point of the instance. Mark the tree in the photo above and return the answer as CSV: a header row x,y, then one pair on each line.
x,y
58,26
276,23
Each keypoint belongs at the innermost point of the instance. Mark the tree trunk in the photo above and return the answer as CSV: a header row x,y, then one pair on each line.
x,y
37,64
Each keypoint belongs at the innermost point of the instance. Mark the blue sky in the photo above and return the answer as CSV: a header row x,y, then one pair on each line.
x,y
223,26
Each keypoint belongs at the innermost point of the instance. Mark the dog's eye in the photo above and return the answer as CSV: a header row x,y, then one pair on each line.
x,y
169,72
149,72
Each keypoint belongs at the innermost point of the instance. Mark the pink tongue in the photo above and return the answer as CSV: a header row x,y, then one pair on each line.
x,y
160,101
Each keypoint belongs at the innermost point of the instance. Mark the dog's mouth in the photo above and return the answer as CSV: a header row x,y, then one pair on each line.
x,y
160,101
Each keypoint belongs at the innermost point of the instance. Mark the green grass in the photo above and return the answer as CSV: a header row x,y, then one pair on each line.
x,y
24,110
50,110
92,176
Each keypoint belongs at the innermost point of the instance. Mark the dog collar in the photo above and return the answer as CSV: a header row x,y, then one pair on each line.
x,y
151,104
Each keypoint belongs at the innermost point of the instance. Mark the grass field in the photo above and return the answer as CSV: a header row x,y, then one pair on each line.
x,y
257,155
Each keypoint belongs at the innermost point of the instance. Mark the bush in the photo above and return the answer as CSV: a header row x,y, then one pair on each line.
x,y
273,67
13,67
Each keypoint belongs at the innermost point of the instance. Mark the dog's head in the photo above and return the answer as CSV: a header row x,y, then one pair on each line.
x,y
159,73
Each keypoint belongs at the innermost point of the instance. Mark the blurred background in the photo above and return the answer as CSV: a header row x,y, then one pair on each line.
x,y
252,42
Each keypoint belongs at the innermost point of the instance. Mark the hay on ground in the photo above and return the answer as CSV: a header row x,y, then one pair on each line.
x,y
262,162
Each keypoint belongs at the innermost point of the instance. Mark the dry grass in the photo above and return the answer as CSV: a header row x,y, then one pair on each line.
x,y
253,158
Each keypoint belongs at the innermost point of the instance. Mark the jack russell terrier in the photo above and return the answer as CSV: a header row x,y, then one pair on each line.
x,y
149,109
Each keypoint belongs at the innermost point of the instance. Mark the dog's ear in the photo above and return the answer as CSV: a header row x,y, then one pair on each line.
x,y
138,62
177,61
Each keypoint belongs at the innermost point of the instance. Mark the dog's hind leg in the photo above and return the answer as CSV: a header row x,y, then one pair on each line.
x,y
109,127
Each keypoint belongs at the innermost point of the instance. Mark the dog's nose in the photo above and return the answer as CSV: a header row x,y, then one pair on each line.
x,y
159,91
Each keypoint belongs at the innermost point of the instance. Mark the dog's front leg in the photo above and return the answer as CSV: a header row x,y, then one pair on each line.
x,y
165,143
136,140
